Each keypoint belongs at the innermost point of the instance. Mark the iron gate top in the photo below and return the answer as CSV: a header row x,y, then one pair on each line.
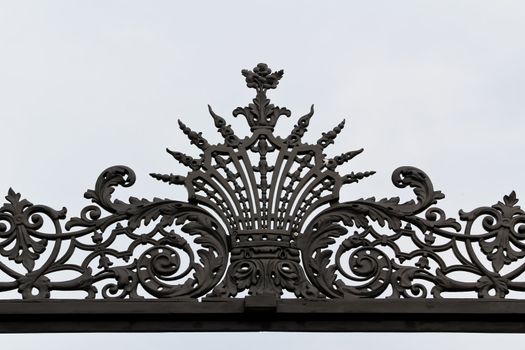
x,y
262,218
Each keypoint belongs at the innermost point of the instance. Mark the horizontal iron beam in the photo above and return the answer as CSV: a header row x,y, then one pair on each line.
x,y
263,314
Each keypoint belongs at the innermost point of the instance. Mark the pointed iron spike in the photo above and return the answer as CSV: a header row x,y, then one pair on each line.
x,y
171,152
178,155
194,137
345,157
186,160
226,131
329,137
300,128
305,119
357,152
170,179
157,176
307,116
219,121
183,127
355,177
333,163
340,127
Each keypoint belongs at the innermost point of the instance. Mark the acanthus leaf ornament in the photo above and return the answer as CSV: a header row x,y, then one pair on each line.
x,y
263,217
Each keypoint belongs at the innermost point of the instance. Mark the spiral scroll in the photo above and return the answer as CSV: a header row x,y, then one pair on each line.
x,y
368,263
112,268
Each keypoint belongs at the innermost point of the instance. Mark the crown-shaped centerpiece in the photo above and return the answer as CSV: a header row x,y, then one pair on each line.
x,y
263,187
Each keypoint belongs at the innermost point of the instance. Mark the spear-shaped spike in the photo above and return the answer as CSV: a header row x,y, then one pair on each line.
x,y
300,128
188,161
195,137
226,131
355,177
329,137
333,163
170,179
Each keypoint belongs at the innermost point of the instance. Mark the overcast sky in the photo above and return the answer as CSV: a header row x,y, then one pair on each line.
x,y
435,84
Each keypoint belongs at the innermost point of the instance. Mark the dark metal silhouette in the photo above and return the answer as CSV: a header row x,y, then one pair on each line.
x,y
262,217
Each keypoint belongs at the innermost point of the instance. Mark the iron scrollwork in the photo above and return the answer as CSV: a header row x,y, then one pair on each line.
x,y
263,216
157,266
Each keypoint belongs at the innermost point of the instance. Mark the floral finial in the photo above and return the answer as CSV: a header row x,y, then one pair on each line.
x,y
262,78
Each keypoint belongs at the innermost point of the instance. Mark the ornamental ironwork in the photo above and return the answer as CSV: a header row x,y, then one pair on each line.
x,y
262,218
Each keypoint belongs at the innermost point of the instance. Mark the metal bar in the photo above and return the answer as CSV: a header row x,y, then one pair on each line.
x,y
234,315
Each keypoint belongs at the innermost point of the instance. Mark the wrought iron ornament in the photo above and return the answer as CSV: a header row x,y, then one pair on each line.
x,y
262,217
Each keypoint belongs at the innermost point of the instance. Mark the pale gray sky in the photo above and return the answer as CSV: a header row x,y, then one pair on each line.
x,y
435,84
